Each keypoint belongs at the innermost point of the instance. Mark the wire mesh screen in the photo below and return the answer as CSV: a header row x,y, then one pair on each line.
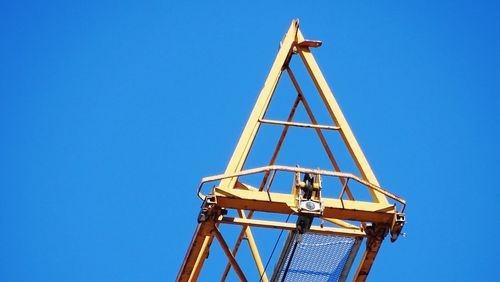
x,y
316,258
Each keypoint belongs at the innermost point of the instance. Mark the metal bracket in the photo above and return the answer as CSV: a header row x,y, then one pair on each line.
x,y
375,232
397,226
206,209
310,43
309,201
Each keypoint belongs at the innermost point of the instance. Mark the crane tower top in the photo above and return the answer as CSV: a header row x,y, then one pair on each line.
x,y
324,233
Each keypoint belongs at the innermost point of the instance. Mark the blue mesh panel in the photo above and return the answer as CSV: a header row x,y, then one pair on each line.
x,y
316,258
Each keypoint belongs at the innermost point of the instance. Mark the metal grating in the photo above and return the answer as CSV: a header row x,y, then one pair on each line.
x,y
316,258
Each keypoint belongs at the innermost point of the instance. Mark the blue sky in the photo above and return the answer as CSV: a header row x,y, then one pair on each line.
x,y
111,113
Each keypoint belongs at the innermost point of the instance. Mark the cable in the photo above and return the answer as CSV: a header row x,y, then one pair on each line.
x,y
274,249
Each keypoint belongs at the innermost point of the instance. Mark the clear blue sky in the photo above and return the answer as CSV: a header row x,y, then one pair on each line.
x,y
111,113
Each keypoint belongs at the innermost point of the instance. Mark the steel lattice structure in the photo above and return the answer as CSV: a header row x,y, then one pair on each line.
x,y
376,218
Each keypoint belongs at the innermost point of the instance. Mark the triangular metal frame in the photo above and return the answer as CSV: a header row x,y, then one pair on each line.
x,y
294,40
230,193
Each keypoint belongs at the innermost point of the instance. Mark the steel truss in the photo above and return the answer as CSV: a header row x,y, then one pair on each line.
x,y
376,218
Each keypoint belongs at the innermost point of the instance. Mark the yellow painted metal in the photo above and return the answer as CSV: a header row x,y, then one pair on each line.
x,y
235,249
366,261
207,241
253,248
229,255
299,124
197,252
233,194
291,226
341,223
285,204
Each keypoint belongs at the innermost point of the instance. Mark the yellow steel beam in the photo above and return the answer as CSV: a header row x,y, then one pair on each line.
x,y
229,255
341,223
286,204
291,226
299,124
338,222
235,250
253,248
366,262
197,252
200,260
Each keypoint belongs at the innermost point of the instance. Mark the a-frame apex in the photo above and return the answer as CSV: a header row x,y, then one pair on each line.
x,y
295,43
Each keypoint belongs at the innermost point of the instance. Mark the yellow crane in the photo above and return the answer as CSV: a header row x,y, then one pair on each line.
x,y
345,220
